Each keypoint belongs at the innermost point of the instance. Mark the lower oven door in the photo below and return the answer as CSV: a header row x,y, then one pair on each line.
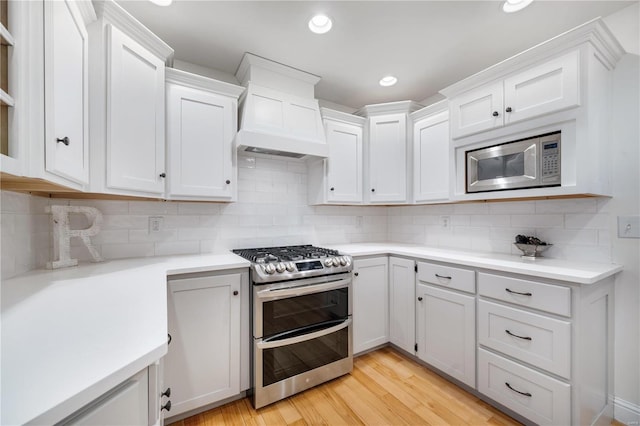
x,y
293,361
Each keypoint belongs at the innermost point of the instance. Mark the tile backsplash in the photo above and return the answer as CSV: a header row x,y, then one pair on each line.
x,y
272,210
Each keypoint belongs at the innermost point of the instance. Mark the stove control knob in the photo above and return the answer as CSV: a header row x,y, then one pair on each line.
x,y
280,268
269,268
290,267
328,262
347,260
336,261
343,261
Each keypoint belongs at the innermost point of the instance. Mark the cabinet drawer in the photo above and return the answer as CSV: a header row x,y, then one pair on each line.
x,y
447,276
545,297
534,395
532,338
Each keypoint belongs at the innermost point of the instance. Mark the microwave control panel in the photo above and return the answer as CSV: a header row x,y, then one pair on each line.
x,y
551,162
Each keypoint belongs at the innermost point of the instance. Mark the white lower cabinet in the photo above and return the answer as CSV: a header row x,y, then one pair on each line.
x,y
203,364
402,314
538,397
370,303
126,404
446,331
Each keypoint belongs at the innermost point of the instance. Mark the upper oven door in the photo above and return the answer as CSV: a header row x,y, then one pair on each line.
x,y
299,305
508,166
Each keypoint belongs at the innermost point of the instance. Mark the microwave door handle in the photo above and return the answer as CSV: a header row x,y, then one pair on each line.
x,y
304,337
271,294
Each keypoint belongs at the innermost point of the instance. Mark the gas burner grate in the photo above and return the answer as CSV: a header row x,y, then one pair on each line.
x,y
285,254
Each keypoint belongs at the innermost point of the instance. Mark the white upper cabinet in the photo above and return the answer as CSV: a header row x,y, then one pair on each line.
x,y
128,105
66,92
135,112
338,178
201,126
431,153
477,110
387,142
549,87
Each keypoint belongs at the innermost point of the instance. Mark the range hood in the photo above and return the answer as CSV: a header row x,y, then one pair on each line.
x,y
278,112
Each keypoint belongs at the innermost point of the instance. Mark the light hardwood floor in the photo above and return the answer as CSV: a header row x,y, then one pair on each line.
x,y
385,388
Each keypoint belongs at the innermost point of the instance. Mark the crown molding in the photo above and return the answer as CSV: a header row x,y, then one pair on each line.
x,y
196,81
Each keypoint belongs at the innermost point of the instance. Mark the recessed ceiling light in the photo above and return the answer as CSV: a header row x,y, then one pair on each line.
x,y
388,81
320,24
161,2
511,6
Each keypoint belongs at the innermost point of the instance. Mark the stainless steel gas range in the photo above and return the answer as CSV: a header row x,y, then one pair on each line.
x,y
301,326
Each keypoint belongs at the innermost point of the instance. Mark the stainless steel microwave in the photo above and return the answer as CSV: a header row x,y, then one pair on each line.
x,y
526,163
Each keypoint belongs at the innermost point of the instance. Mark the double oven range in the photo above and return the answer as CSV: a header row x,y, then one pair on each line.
x,y
301,326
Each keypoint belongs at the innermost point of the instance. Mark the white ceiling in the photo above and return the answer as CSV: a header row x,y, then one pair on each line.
x,y
428,45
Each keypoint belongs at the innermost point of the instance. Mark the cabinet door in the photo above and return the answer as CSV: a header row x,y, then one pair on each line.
x,y
370,303
546,88
447,332
402,290
135,116
125,405
387,158
202,365
344,165
431,158
200,130
477,110
66,91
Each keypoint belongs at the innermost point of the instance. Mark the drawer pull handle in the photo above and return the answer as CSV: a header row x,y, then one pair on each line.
x,y
443,277
517,292
515,335
515,390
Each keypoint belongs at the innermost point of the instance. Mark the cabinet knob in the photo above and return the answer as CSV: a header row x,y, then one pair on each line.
x,y
64,140
235,292
163,175
166,406
227,181
355,274
508,109
166,393
332,189
420,299
373,190
495,113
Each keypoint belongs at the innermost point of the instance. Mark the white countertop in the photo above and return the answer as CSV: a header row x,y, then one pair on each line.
x,y
556,269
72,334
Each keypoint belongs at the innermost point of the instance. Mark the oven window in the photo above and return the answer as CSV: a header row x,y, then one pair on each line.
x,y
302,311
290,360
504,166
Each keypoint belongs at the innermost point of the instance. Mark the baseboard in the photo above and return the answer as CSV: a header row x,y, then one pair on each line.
x,y
626,412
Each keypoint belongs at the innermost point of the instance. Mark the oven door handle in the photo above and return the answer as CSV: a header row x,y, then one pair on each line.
x,y
304,337
301,290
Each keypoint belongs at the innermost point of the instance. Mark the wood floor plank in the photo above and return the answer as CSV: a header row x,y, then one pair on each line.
x,y
385,388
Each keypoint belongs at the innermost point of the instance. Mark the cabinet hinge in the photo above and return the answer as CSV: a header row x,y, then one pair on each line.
x,y
415,348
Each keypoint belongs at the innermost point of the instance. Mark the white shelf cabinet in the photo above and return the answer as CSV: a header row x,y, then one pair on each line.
x,y
338,178
542,89
370,303
206,360
127,114
201,126
402,315
66,92
431,153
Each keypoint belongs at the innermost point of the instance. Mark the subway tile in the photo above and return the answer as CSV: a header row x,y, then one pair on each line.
x,y
512,207
185,234
471,208
106,207
568,236
111,236
143,236
181,221
125,222
13,202
537,221
458,220
509,234
123,251
492,220
155,208
177,248
470,231
198,208
588,221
